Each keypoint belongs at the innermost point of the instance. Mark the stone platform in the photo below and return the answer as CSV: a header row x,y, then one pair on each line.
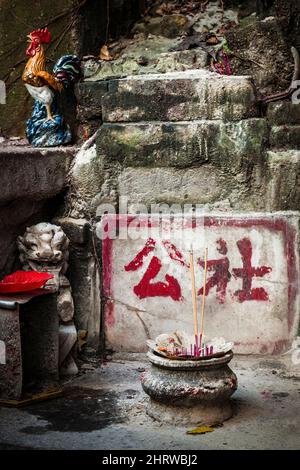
x,y
29,331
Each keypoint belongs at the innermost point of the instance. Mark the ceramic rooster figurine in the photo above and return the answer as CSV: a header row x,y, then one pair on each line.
x,y
46,127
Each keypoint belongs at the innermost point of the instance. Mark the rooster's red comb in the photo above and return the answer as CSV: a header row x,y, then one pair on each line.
x,y
43,34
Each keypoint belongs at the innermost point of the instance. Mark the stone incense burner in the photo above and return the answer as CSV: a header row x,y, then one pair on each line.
x,y
189,392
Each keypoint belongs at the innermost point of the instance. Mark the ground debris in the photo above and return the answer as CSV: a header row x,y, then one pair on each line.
x,y
104,53
171,7
201,430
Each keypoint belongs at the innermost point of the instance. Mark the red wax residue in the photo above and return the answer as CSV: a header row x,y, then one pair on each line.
x,y
221,246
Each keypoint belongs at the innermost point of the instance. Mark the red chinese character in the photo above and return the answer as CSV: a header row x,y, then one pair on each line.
x,y
247,273
221,275
145,288
138,261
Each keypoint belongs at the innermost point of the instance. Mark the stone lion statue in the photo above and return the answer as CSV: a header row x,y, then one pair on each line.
x,y
44,247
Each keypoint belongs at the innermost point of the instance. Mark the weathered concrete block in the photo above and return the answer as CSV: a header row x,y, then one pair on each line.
x,y
179,96
33,173
283,187
39,335
89,98
252,286
206,185
172,186
183,144
77,230
285,136
283,112
11,363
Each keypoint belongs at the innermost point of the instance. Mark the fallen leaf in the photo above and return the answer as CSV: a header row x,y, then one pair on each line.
x,y
201,430
82,338
104,53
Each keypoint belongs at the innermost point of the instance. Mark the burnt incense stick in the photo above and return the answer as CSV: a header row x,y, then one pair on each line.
x,y
194,298
203,296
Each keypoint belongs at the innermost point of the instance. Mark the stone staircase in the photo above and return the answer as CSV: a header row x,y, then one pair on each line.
x,y
191,137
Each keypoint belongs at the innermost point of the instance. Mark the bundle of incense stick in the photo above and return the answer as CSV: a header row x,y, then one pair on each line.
x,y
183,353
198,349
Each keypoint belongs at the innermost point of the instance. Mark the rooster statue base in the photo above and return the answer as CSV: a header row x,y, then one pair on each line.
x,y
44,132
46,127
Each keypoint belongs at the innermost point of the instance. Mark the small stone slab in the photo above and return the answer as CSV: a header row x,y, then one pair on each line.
x,y
283,113
40,343
89,98
284,181
285,136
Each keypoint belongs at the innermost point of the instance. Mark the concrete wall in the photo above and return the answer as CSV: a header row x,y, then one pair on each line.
x,y
252,288
74,30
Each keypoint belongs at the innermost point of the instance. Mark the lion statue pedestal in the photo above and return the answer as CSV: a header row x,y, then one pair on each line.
x,y
44,247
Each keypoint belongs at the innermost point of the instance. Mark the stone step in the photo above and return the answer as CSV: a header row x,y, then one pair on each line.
x,y
89,98
148,62
231,145
180,96
285,136
206,186
283,112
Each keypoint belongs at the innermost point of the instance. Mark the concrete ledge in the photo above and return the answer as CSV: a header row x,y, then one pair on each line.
x,y
33,173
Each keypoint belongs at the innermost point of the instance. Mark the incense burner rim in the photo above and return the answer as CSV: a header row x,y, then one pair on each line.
x,y
173,364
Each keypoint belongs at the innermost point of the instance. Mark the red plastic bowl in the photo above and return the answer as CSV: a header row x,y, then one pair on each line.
x,y
23,281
